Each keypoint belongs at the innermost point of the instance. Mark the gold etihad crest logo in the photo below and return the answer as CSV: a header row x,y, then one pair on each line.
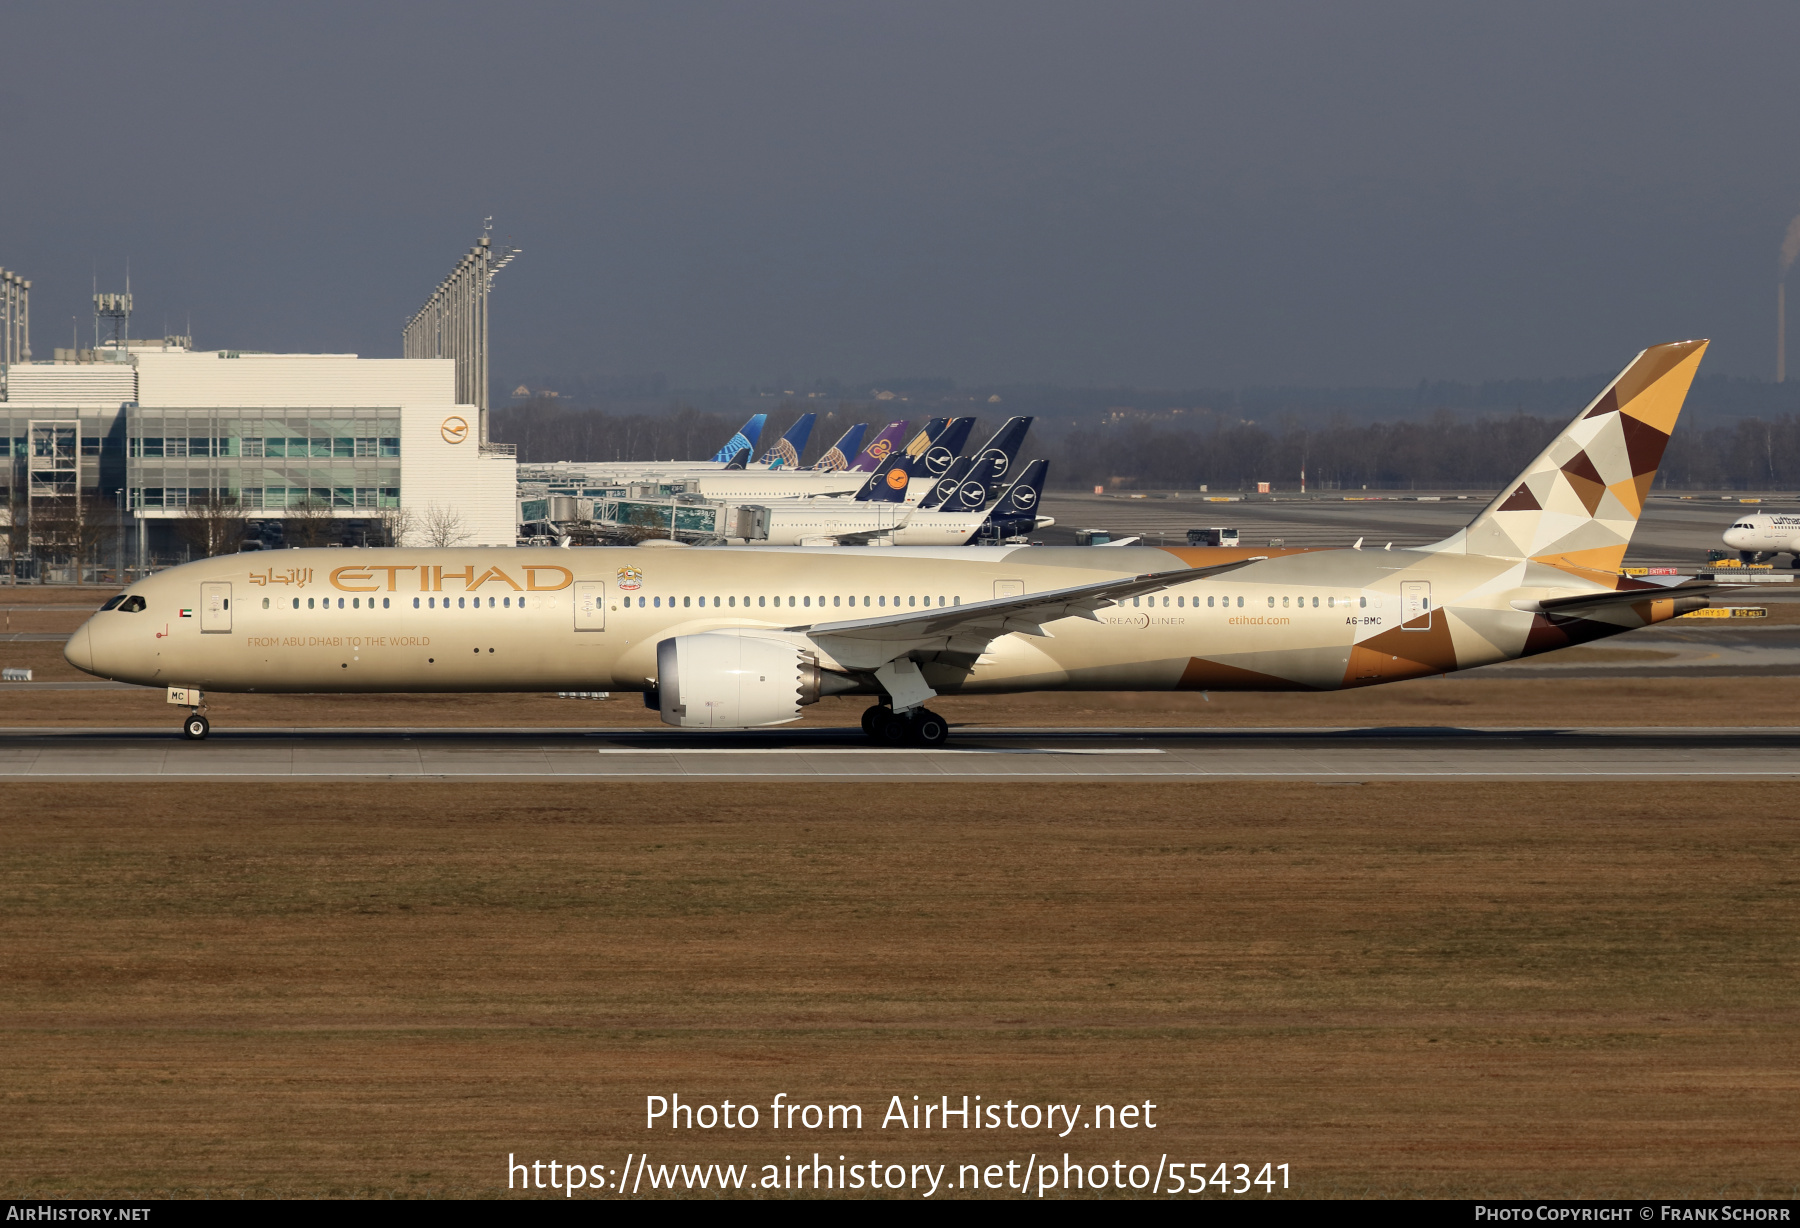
x,y
455,429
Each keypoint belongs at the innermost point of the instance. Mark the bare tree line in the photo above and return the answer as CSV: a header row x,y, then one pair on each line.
x,y
1445,451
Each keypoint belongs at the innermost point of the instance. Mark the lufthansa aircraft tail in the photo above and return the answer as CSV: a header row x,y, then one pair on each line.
x,y
786,452
971,494
743,441
945,446
1004,446
1017,509
838,455
1576,505
946,485
889,483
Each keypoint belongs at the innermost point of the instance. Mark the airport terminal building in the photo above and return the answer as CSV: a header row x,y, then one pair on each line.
x,y
364,445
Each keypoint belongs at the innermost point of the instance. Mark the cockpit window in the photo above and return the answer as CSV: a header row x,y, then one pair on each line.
x,y
131,605
112,602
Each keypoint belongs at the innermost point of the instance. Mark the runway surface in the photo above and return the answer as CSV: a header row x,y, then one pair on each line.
x,y
1429,753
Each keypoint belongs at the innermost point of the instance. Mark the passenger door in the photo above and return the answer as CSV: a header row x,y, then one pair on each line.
x,y
1415,605
215,606
590,606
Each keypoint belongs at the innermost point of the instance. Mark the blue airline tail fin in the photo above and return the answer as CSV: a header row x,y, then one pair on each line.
x,y
744,440
1020,500
947,484
1015,513
1005,444
838,455
945,446
889,483
786,452
971,494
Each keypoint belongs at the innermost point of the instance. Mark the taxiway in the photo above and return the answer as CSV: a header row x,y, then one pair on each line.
x,y
1344,754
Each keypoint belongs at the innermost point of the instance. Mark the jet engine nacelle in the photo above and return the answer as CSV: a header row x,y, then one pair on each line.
x,y
723,681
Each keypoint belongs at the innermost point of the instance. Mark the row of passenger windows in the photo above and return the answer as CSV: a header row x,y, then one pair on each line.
x,y
1331,603
912,602
431,603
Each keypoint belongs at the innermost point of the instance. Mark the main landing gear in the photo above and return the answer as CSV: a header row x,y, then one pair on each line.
x,y
919,727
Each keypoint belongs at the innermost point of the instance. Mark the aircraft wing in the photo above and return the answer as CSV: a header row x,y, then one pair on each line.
x,y
862,537
869,643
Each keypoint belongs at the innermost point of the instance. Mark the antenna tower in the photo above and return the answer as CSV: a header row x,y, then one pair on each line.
x,y
113,313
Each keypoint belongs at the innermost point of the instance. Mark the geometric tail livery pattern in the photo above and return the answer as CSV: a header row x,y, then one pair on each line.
x,y
1576,505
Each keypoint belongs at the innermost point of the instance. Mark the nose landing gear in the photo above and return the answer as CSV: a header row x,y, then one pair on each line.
x,y
919,727
194,726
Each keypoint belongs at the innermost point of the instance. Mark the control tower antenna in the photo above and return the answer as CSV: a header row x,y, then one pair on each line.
x,y
115,311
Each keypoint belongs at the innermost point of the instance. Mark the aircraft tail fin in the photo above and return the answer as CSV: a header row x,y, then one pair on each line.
x,y
919,444
891,480
744,440
1005,444
1577,504
838,455
947,484
945,445
971,494
786,452
1020,500
880,448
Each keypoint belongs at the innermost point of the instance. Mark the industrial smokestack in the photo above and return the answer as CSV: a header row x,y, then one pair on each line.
x,y
1790,251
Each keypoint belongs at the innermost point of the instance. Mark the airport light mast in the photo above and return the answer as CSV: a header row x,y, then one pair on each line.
x,y
453,323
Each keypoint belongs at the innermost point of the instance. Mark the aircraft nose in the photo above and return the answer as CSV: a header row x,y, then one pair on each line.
x,y
79,651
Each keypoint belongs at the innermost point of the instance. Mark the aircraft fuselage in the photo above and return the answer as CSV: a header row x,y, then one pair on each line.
x,y
498,619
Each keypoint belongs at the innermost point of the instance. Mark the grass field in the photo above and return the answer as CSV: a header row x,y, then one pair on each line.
x,y
1520,989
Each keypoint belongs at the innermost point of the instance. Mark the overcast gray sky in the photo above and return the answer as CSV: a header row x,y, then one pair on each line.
x,y
1149,194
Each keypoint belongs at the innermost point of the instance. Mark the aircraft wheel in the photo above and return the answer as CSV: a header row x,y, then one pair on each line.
x,y
895,730
872,719
930,729
195,728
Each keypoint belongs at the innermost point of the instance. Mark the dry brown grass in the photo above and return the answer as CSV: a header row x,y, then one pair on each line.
x,y
1509,989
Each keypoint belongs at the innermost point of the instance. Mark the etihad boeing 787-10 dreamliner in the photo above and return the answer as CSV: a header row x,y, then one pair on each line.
x,y
733,638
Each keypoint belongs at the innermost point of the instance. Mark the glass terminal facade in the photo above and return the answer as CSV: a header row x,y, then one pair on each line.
x,y
264,458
